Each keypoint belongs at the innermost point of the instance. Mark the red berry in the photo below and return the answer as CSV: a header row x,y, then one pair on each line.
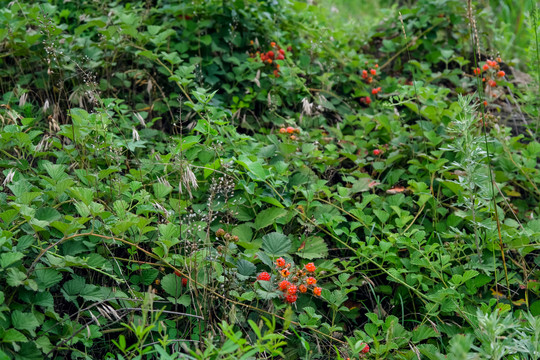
x,y
302,288
485,103
184,281
364,74
281,261
273,44
291,299
373,72
310,267
270,54
177,273
276,73
317,291
477,71
501,74
311,280
282,52
284,285
282,131
280,57
292,289
492,83
290,130
264,276
485,67
376,152
367,100
365,350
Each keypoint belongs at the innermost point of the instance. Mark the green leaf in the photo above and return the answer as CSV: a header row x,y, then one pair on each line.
x,y
9,258
12,335
24,321
276,244
314,248
423,332
268,216
172,285
47,214
47,277
245,267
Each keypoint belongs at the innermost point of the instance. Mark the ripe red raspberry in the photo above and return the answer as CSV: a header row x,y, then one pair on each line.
x,y
310,267
365,350
291,299
280,57
373,72
292,289
276,73
269,61
317,291
184,281
501,74
273,44
376,152
290,130
284,285
281,261
477,71
264,276
282,52
283,131
302,288
311,280
177,273
270,54
485,103
485,67
364,74
492,83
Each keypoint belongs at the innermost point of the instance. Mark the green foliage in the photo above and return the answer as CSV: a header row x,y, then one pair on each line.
x,y
156,172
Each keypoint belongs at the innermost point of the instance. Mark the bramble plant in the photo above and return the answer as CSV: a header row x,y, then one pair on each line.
x,y
269,179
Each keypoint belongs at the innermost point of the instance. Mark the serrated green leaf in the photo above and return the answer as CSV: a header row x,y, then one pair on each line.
x,y
24,321
423,332
47,277
276,244
9,258
268,217
47,214
245,267
12,335
314,248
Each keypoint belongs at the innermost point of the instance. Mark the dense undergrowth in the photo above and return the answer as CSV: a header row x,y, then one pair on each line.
x,y
244,179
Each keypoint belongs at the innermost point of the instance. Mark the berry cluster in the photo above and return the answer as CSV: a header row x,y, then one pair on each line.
x,y
368,78
293,281
290,131
491,73
270,57
220,233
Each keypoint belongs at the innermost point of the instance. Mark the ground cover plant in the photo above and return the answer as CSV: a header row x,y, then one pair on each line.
x,y
277,179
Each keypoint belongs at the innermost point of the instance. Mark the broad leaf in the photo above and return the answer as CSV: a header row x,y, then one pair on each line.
x,y
276,244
